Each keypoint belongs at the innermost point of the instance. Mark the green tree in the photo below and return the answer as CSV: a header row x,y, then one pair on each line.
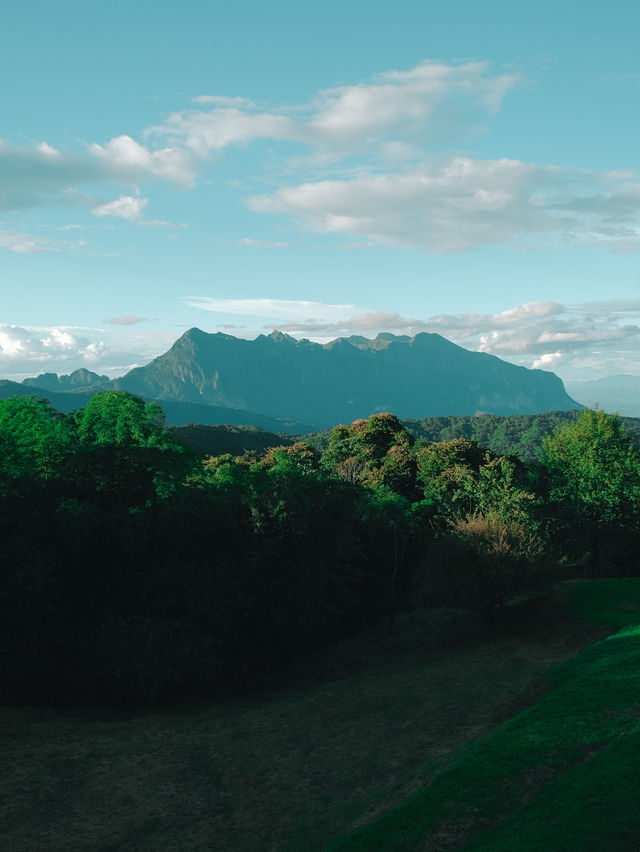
x,y
376,451
33,437
483,560
118,418
593,466
447,472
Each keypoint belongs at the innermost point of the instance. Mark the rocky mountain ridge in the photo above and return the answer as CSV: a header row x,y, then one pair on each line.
x,y
323,384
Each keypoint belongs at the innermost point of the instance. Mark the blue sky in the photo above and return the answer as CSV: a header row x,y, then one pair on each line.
x,y
324,168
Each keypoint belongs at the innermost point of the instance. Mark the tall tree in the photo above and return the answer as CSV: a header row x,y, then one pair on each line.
x,y
594,474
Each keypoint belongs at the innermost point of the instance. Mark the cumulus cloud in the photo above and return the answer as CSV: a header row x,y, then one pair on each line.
x,y
371,141
125,207
24,348
124,155
45,176
548,361
48,150
27,351
464,204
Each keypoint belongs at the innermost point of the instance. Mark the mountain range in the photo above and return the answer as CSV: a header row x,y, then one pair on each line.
x,y
612,393
283,384
336,382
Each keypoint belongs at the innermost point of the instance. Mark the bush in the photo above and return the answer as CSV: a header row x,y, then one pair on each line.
x,y
483,560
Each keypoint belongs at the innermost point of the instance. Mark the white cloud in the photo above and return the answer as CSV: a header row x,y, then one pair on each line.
x,y
46,176
126,320
203,132
369,141
544,335
32,244
352,117
27,351
248,242
20,347
282,309
30,178
548,361
125,207
128,157
464,204
160,223
403,101
48,151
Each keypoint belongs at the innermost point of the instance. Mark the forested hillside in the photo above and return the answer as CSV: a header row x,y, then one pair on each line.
x,y
522,434
138,571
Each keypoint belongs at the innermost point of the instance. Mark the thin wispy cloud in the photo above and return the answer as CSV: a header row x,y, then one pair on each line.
x,y
540,334
35,244
303,311
344,119
249,242
126,320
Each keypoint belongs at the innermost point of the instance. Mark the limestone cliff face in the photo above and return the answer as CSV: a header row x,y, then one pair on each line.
x,y
279,376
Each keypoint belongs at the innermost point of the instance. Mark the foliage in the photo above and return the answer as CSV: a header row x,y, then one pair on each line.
x,y
486,559
136,571
33,437
376,451
120,419
593,467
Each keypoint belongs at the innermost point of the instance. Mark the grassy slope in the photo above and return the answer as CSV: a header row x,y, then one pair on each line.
x,y
367,724
561,775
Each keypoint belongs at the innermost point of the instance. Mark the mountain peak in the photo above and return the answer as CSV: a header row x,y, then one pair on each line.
x,y
281,337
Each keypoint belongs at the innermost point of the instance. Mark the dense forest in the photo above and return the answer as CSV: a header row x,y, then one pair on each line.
x,y
521,434
134,570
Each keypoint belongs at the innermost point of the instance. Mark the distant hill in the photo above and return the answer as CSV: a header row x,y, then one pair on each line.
x,y
176,413
61,401
281,377
78,380
218,440
183,413
611,393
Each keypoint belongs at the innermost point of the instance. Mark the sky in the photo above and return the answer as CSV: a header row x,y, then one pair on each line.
x,y
325,169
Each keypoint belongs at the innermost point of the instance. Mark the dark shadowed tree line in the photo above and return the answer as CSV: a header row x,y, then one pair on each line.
x,y
134,570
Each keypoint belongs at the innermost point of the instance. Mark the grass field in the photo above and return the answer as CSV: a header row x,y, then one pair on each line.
x,y
408,744
561,775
